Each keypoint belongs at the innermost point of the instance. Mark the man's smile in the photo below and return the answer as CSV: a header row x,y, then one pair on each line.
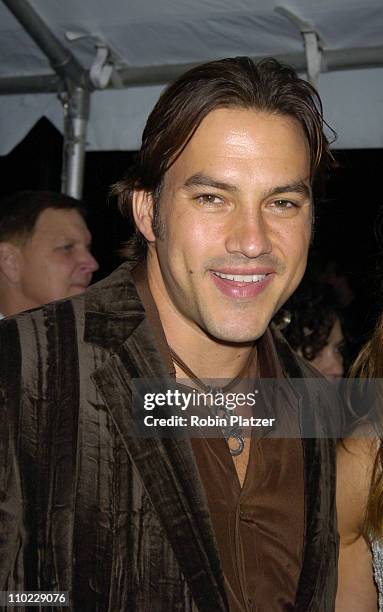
x,y
241,286
242,278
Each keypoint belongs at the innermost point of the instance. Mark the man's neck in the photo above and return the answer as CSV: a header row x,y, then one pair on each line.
x,y
12,303
218,362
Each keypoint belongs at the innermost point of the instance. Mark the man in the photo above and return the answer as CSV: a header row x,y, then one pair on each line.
x,y
44,250
222,201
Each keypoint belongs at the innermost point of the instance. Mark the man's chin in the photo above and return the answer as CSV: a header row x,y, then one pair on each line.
x,y
236,334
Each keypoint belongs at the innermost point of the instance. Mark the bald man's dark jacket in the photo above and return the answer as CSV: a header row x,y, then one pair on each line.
x,y
121,523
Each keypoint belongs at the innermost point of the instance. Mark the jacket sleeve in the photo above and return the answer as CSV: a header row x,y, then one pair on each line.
x,y
11,505
11,514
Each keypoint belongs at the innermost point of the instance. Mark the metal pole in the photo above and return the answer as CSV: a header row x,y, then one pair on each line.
x,y
78,86
42,83
76,105
61,59
332,59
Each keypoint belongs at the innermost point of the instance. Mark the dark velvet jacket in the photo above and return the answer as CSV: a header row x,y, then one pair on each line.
x,y
121,523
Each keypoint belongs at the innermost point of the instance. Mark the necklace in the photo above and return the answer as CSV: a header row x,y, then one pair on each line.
x,y
232,433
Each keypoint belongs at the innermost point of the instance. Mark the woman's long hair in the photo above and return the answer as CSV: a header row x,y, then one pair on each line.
x,y
369,364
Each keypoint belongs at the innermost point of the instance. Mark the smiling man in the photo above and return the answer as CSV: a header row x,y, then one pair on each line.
x,y
44,250
221,197
235,235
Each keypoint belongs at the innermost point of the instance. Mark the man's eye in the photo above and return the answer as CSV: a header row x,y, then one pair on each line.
x,y
283,206
67,247
208,199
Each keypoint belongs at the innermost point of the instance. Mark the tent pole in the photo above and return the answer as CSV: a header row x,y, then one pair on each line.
x,y
135,76
61,59
77,99
76,105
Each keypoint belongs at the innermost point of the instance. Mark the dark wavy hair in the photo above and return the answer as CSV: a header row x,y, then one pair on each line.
x,y
313,309
267,86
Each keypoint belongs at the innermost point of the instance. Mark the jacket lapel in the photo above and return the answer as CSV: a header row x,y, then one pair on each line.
x,y
166,466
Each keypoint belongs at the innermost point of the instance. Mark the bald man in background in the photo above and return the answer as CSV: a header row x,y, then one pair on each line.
x,y
44,250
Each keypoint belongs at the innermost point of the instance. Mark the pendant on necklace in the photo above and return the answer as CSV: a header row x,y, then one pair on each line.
x,y
240,443
233,434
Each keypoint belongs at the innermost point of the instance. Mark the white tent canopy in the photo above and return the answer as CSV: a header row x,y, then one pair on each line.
x,y
147,42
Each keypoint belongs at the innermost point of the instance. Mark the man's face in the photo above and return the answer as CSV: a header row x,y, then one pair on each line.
x,y
235,213
55,262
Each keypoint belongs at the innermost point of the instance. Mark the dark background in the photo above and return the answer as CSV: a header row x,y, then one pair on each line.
x,y
347,219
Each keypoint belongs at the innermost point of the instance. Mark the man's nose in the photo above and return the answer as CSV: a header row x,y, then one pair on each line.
x,y
249,234
88,262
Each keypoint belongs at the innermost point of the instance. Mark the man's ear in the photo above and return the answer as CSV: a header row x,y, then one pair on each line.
x,y
10,262
143,213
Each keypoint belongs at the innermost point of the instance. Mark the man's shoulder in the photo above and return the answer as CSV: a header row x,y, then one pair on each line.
x,y
111,294
104,315
115,293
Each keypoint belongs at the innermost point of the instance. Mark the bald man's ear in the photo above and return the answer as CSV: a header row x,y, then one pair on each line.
x,y
10,262
143,213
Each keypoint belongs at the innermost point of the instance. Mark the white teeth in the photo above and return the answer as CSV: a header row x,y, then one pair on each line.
x,y
242,278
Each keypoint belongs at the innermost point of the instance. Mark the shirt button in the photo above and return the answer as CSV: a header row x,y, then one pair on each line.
x,y
243,515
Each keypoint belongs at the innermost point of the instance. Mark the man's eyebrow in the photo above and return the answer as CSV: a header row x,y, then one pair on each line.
x,y
203,180
297,187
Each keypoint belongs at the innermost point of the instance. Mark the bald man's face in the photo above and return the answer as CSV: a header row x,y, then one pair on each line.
x,y
56,261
